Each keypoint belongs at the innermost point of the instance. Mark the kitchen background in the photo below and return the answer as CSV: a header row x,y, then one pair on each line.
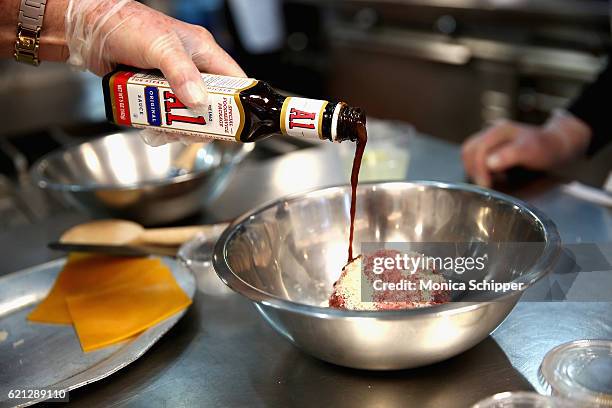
x,y
448,67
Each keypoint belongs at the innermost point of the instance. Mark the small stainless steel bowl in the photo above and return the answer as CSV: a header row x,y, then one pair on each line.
x,y
285,257
120,176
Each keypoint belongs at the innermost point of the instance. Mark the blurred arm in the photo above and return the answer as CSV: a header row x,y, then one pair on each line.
x,y
593,108
9,10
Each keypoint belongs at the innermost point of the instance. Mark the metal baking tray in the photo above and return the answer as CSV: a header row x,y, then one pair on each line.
x,y
49,357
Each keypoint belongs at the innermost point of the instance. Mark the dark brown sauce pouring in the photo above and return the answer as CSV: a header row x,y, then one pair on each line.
x,y
362,140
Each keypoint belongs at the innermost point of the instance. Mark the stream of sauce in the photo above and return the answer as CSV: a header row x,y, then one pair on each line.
x,y
362,140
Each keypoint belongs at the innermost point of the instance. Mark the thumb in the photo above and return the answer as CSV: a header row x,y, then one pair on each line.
x,y
169,54
155,138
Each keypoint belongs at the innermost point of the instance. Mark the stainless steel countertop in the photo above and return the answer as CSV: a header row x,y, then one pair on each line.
x,y
223,354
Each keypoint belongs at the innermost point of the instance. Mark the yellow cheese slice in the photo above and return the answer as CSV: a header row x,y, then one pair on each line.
x,y
84,273
116,314
110,299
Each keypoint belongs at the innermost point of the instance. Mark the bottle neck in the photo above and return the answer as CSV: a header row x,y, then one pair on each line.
x,y
348,123
317,119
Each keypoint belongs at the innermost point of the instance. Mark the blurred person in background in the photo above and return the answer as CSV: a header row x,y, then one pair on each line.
x,y
584,128
97,35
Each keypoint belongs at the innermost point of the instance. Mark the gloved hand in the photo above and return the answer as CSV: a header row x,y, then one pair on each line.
x,y
103,33
508,144
155,137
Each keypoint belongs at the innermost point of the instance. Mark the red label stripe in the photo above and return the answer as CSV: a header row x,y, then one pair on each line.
x,y
122,105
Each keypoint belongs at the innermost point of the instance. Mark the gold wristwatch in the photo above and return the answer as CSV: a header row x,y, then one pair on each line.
x,y
31,14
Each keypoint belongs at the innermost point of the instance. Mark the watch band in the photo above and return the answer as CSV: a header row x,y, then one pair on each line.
x,y
30,21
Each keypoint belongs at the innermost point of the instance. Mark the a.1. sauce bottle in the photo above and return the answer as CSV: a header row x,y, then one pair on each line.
x,y
239,109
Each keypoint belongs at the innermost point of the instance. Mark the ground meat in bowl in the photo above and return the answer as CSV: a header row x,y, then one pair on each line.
x,y
360,288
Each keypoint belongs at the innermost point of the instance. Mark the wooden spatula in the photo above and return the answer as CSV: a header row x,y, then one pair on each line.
x,y
123,232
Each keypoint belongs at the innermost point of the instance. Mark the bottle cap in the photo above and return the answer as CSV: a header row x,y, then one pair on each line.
x,y
580,370
521,399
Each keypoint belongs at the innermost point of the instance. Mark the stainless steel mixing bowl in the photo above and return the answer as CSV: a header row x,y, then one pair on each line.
x,y
285,257
120,176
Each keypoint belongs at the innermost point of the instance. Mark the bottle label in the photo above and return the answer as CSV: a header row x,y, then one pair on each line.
x,y
303,117
146,100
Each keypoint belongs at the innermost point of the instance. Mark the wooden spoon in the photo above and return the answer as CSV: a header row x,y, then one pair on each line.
x,y
123,232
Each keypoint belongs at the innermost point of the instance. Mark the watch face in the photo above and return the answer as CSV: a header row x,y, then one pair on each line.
x,y
26,43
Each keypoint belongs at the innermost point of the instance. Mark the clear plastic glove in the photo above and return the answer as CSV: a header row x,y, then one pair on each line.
x,y
154,137
103,33
508,144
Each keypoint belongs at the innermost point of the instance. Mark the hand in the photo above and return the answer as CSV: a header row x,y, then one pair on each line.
x,y
103,33
508,144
